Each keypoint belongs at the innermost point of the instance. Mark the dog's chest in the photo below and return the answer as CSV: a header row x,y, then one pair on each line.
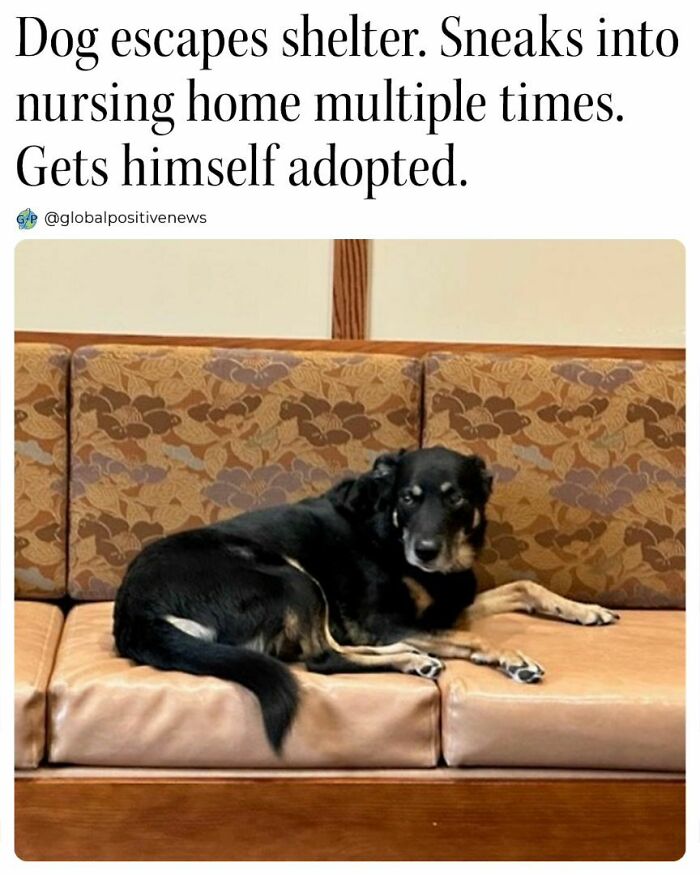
x,y
418,593
437,602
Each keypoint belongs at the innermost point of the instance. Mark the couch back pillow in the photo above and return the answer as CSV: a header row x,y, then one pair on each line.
x,y
168,438
41,455
589,464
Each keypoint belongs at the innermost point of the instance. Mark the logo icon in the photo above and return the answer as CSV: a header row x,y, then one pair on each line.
x,y
26,220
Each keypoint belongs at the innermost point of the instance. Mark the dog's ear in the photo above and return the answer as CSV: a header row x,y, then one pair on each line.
x,y
371,491
385,466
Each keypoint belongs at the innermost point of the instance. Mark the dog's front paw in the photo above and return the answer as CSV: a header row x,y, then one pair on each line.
x,y
525,671
595,615
428,667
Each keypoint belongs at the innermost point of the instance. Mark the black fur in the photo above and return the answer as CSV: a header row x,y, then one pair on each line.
x,y
355,545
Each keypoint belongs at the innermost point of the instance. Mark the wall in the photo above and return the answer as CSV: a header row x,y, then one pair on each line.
x,y
625,293
237,288
609,292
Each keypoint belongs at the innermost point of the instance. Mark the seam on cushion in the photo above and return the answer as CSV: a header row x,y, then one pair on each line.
x,y
50,687
54,619
436,743
422,416
35,681
455,688
68,388
438,726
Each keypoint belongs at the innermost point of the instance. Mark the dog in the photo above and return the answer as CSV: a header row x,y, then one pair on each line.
x,y
376,574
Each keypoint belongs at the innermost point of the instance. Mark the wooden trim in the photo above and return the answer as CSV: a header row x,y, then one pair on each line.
x,y
350,289
73,340
348,819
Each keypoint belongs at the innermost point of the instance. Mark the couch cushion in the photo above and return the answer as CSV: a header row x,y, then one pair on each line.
x,y
37,630
170,438
41,440
108,711
589,458
612,697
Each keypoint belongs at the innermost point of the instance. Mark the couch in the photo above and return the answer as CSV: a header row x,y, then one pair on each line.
x,y
119,443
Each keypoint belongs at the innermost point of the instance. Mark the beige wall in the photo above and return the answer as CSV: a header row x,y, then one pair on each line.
x,y
610,292
618,293
237,288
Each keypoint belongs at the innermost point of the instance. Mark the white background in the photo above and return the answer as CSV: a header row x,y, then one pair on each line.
x,y
635,179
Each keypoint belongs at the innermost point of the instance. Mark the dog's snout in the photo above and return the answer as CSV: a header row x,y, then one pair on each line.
x,y
427,549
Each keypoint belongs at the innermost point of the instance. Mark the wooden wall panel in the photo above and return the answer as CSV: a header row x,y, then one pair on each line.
x,y
350,289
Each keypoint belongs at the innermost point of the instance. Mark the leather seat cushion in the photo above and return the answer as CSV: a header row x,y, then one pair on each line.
x,y
108,711
612,697
37,630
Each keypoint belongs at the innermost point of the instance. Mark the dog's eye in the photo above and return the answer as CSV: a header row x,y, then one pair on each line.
x,y
454,499
407,498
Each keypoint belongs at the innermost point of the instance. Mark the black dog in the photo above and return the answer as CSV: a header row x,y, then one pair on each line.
x,y
374,575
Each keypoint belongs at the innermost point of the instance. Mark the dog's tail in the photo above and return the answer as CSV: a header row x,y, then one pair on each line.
x,y
166,647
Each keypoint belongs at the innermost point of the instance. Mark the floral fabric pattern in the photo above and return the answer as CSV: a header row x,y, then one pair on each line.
x,y
40,470
167,438
589,465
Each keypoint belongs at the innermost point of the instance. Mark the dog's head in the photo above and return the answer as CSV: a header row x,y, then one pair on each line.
x,y
436,500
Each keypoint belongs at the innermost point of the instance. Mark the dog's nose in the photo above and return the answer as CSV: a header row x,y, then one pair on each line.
x,y
427,549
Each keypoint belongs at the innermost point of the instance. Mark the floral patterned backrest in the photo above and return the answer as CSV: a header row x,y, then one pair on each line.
x,y
41,456
588,458
167,438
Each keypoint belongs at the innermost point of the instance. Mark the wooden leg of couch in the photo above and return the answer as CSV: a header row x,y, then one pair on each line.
x,y
349,819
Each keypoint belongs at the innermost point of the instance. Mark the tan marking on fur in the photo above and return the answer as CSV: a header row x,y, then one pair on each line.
x,y
356,633
462,553
320,638
291,624
420,596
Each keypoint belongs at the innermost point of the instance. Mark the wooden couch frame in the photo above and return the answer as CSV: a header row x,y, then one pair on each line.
x,y
349,816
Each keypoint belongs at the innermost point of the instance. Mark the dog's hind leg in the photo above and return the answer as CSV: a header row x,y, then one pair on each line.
x,y
330,656
526,595
309,624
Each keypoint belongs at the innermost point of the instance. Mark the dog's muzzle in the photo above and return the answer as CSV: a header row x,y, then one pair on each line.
x,y
425,553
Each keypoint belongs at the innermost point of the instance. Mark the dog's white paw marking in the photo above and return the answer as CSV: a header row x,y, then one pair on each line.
x,y
525,672
479,658
429,667
595,615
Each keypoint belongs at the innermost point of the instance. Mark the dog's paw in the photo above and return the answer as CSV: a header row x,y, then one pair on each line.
x,y
595,615
428,667
523,670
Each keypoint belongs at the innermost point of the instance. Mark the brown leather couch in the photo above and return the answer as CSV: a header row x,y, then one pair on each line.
x,y
120,444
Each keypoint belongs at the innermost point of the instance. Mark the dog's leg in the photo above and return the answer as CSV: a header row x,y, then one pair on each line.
x,y
381,649
401,656
407,661
465,645
525,595
321,652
